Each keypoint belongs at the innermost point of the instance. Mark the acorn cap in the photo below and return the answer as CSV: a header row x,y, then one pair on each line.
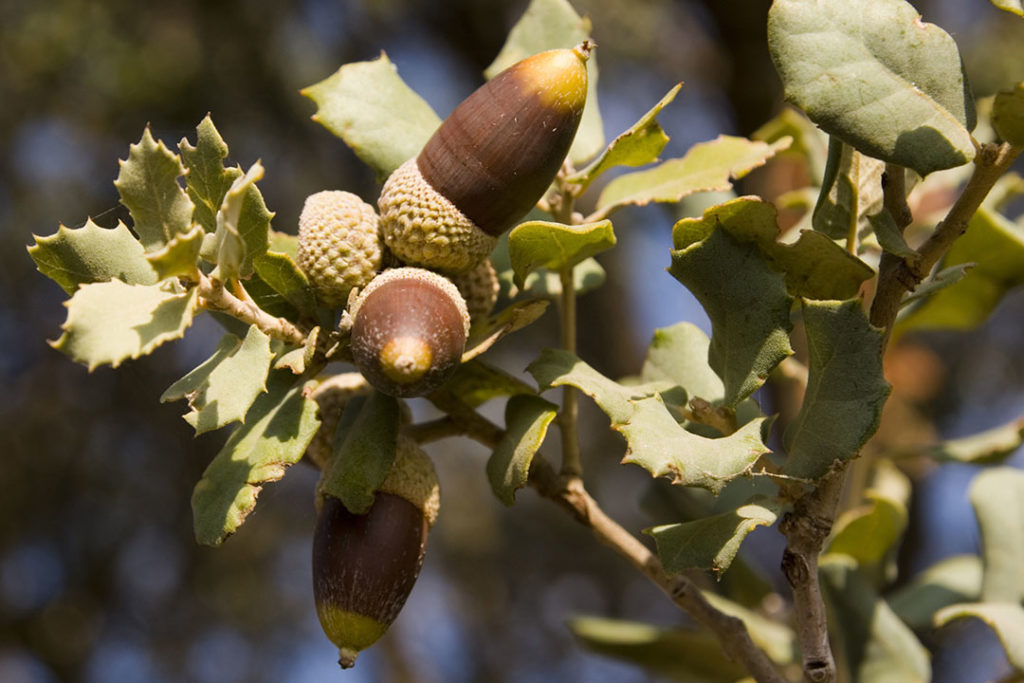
x,y
364,567
487,164
339,244
409,331
413,477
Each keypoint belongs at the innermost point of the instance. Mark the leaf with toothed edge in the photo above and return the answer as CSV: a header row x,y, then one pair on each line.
x,y
207,181
76,256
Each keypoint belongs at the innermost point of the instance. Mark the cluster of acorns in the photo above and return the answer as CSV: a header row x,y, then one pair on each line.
x,y
441,214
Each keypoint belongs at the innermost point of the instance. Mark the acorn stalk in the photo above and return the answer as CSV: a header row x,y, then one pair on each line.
x,y
365,565
488,164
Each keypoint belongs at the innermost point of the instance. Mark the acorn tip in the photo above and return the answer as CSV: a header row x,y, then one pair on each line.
x,y
584,49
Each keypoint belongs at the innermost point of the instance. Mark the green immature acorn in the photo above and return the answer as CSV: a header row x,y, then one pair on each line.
x,y
339,244
409,331
488,164
364,566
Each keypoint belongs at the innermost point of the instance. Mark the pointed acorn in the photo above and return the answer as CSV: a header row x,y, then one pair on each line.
x,y
365,565
488,164
409,331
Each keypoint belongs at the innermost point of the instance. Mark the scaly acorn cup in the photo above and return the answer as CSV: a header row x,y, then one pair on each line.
x,y
488,164
364,566
339,244
409,331
480,288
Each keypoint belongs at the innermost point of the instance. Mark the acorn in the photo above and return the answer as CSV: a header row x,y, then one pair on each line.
x,y
409,331
479,287
488,164
339,244
364,566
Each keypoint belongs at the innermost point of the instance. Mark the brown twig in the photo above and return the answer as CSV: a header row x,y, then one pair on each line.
x,y
214,296
569,493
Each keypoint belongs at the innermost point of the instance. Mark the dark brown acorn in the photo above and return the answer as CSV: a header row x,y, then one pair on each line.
x,y
409,331
364,566
488,164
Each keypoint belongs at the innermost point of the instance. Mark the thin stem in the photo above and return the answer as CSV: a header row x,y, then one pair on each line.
x,y
568,419
214,296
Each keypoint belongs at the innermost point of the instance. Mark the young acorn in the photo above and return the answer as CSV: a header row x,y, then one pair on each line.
x,y
479,287
339,244
409,331
488,164
364,566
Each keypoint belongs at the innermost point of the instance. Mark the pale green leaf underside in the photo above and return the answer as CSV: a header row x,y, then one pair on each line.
x,y
869,532
845,388
543,244
207,180
77,256
233,385
639,145
587,275
148,185
526,424
277,429
991,445
655,441
955,579
197,378
243,226
1015,6
878,646
364,450
110,322
745,299
179,256
711,542
679,354
1008,114
1006,619
706,167
873,74
369,106
997,495
996,246
549,25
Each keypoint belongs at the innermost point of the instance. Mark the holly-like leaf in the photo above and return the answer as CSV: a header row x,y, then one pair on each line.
x,y
745,299
1008,114
148,185
1014,6
207,181
679,655
555,246
110,322
199,376
549,25
953,580
638,146
997,495
845,388
655,441
364,450
276,430
679,354
1005,619
281,273
232,386
851,191
243,225
180,256
984,448
77,256
474,383
878,646
996,246
526,424
871,73
711,543
706,167
369,106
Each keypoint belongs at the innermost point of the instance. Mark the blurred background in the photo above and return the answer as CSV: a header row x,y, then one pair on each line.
x,y
100,578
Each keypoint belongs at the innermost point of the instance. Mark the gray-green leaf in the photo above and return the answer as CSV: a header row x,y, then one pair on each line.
x,y
543,244
77,256
846,389
207,181
997,495
1006,619
873,74
526,423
